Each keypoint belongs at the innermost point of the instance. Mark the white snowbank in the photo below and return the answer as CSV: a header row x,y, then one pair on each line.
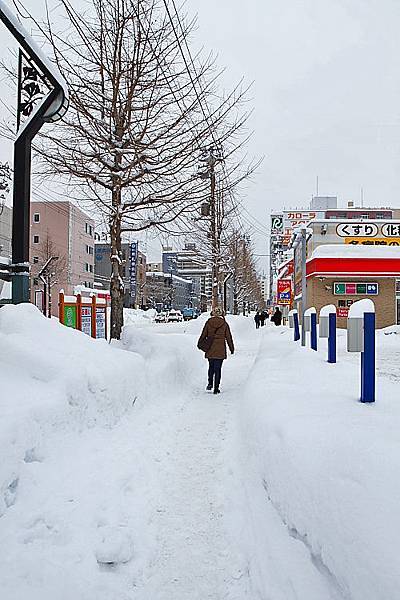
x,y
328,463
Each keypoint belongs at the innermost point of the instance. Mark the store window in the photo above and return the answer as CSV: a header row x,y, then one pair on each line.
x,y
36,218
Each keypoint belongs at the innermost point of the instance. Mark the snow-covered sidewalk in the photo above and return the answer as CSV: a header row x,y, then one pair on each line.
x,y
122,479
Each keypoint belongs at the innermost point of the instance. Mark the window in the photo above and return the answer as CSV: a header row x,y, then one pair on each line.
x,y
36,218
35,281
89,250
36,239
88,268
35,260
89,229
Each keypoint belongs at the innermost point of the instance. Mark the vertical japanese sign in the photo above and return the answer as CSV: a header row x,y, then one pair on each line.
x,y
100,322
284,291
70,316
86,320
133,254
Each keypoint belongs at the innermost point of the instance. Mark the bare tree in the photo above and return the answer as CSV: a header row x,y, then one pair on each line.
x,y
140,113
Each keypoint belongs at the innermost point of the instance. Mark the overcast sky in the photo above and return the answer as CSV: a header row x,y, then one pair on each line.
x,y
326,94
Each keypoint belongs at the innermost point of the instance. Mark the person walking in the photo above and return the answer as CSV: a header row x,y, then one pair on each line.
x,y
257,319
213,339
262,318
277,317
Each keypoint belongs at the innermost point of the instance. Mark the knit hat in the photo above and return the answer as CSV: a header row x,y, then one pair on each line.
x,y
217,312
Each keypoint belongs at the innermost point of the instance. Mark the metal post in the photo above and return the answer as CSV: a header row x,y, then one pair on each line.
x,y
303,283
368,360
332,339
296,327
314,331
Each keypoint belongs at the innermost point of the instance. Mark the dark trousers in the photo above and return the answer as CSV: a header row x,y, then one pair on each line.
x,y
214,371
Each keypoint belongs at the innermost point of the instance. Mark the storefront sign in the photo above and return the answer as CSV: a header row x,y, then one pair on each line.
x,y
86,319
391,230
357,230
355,289
284,291
360,241
342,312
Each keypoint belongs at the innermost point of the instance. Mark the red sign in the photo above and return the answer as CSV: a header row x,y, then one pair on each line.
x,y
284,291
342,311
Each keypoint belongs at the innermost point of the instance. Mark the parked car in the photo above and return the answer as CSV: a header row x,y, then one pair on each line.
x,y
189,313
160,317
174,316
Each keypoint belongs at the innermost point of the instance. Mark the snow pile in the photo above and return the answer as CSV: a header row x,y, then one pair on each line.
x,y
328,463
136,316
53,377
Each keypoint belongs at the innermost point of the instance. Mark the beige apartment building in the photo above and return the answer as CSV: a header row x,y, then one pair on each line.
x,y
62,230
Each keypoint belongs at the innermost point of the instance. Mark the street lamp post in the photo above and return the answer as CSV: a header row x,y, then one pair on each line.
x,y
42,98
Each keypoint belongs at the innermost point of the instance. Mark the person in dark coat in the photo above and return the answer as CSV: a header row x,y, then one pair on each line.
x,y
277,317
257,318
262,318
219,330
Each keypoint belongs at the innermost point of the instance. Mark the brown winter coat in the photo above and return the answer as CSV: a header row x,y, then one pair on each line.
x,y
219,328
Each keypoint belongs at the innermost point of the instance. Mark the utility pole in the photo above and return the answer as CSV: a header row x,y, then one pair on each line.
x,y
213,232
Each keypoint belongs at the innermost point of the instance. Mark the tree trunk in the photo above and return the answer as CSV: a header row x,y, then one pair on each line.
x,y
116,282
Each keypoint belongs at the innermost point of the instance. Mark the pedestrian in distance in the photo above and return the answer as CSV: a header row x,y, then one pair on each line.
x,y
257,319
262,318
277,317
215,336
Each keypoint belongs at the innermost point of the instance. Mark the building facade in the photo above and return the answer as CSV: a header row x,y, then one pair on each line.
x,y
61,230
5,248
348,260
189,264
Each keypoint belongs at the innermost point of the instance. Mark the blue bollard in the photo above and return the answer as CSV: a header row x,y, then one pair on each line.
x,y
368,360
314,331
332,338
296,329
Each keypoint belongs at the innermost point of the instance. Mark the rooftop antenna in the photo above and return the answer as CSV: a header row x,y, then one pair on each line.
x,y
317,186
362,196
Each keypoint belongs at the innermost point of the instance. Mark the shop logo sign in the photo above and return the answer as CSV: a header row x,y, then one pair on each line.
x,y
276,223
391,230
355,289
357,230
